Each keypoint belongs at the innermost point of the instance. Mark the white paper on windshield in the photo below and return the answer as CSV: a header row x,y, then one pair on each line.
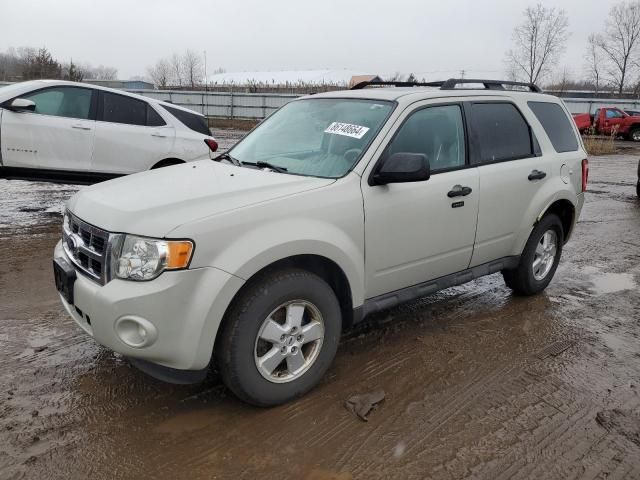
x,y
347,129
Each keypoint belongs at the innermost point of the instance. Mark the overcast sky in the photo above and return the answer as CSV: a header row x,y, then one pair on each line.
x,y
373,36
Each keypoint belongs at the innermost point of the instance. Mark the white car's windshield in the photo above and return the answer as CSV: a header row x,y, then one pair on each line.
x,y
315,137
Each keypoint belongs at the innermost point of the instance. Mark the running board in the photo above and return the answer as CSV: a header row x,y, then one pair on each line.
x,y
390,300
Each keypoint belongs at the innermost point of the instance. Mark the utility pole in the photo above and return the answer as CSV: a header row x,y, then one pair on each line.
x,y
205,71
462,72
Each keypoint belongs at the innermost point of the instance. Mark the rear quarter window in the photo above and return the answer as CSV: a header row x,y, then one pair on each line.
x,y
555,122
153,118
192,121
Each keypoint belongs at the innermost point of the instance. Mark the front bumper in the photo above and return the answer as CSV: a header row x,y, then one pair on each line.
x,y
181,309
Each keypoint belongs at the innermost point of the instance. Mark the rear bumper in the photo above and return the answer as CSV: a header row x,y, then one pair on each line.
x,y
179,314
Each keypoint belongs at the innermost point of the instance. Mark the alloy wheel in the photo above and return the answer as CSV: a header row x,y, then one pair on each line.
x,y
289,341
545,254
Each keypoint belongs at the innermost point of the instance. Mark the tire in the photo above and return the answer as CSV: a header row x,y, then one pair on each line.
x,y
527,280
241,348
634,134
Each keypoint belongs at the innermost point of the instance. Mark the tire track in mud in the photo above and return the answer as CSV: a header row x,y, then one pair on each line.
x,y
479,383
545,415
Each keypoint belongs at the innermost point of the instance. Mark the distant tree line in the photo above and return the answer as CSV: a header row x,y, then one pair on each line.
x,y
28,63
611,59
179,70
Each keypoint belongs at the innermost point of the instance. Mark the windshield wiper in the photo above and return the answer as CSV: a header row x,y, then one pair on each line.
x,y
261,164
226,156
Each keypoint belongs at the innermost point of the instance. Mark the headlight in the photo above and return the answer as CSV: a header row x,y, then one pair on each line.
x,y
139,258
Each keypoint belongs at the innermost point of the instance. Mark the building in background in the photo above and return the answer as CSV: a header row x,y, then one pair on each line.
x,y
123,84
287,81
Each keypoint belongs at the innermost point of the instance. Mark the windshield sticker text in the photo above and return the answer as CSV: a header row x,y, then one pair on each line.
x,y
347,129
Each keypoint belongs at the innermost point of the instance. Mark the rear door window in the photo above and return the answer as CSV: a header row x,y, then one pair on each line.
x,y
195,122
120,109
500,132
555,122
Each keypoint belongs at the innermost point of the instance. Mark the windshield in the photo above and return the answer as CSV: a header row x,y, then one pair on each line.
x,y
315,137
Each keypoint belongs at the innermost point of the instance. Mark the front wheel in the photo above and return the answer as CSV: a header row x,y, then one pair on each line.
x,y
540,258
279,337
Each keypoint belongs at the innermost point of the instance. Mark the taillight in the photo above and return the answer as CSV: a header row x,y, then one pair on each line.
x,y
585,174
211,143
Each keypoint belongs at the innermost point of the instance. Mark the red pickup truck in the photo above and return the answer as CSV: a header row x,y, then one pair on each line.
x,y
610,121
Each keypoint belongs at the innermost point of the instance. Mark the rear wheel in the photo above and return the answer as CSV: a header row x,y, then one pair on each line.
x,y
634,134
539,259
279,337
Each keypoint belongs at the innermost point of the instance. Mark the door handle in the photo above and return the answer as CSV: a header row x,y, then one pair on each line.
x,y
159,135
80,127
459,191
536,175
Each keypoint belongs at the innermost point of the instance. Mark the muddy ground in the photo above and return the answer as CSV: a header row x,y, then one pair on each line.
x,y
478,383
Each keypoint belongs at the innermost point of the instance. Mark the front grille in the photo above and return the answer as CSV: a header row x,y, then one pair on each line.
x,y
87,247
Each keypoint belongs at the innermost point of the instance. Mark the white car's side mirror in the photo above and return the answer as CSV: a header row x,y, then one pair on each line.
x,y
22,104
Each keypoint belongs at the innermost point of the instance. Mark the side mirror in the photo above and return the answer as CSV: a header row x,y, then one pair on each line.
x,y
402,167
22,105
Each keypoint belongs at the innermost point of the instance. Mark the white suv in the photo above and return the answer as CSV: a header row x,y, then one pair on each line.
x,y
67,131
338,205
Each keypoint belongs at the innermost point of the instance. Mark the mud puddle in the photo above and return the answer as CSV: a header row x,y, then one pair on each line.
x,y
478,383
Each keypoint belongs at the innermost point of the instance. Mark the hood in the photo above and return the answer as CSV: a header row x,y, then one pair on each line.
x,y
155,202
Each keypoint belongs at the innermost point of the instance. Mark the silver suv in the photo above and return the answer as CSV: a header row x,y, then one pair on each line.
x,y
337,206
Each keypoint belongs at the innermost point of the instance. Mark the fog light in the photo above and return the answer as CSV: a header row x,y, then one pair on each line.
x,y
136,332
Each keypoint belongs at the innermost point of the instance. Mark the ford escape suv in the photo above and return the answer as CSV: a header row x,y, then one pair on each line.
x,y
336,206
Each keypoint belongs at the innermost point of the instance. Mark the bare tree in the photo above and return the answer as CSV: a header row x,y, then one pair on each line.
x,y
538,43
10,66
192,68
26,54
176,70
42,65
73,72
620,42
564,81
160,73
594,63
102,72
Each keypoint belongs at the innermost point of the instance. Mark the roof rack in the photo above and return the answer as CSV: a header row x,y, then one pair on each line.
x,y
452,83
361,85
